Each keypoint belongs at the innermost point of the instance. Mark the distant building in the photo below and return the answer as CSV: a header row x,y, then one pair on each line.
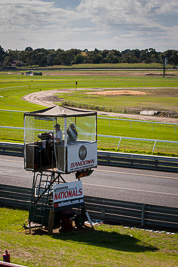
x,y
37,73
29,73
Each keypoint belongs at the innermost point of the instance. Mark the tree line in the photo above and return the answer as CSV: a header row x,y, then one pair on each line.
x,y
50,57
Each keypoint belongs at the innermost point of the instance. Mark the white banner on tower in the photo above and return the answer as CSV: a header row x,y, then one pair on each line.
x,y
68,195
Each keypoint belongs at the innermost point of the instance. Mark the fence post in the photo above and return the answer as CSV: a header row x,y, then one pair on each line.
x,y
143,215
119,142
154,145
102,213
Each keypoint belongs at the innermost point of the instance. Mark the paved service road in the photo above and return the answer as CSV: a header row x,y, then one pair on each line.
x,y
133,185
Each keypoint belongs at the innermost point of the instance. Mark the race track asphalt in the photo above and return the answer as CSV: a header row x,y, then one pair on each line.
x,y
133,185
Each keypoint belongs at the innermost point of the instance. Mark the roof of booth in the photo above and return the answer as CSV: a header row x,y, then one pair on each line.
x,y
58,111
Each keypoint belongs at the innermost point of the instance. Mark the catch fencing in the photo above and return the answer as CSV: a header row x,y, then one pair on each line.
x,y
139,139
133,121
108,210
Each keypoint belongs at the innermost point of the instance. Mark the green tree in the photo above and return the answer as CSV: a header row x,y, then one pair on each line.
x,y
2,55
97,58
112,57
79,59
28,49
172,56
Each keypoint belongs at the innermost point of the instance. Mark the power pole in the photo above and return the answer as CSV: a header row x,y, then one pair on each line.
x,y
164,66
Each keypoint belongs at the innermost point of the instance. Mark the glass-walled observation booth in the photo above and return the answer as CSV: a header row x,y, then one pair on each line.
x,y
60,139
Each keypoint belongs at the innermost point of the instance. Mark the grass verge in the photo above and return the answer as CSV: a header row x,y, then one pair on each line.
x,y
108,66
105,245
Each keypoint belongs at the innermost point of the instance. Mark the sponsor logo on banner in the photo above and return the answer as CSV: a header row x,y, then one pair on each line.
x,y
68,195
82,152
82,157
82,163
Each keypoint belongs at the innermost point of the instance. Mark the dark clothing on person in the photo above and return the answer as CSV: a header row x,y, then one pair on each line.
x,y
72,134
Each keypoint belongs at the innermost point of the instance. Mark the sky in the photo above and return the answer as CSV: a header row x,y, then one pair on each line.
x,y
89,24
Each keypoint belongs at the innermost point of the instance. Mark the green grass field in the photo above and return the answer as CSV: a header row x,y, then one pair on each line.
x,y
104,245
156,99
111,66
13,87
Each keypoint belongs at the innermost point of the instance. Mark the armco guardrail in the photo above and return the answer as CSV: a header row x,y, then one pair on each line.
x,y
15,197
138,161
108,210
12,149
116,159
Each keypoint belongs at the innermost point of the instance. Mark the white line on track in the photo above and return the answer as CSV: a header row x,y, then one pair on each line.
x,y
129,189
140,174
129,173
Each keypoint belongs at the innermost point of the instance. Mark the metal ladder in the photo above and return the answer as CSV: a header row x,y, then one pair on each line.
x,y
42,198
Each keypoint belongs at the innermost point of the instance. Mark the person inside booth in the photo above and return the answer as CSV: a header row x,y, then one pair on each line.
x,y
58,135
72,134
